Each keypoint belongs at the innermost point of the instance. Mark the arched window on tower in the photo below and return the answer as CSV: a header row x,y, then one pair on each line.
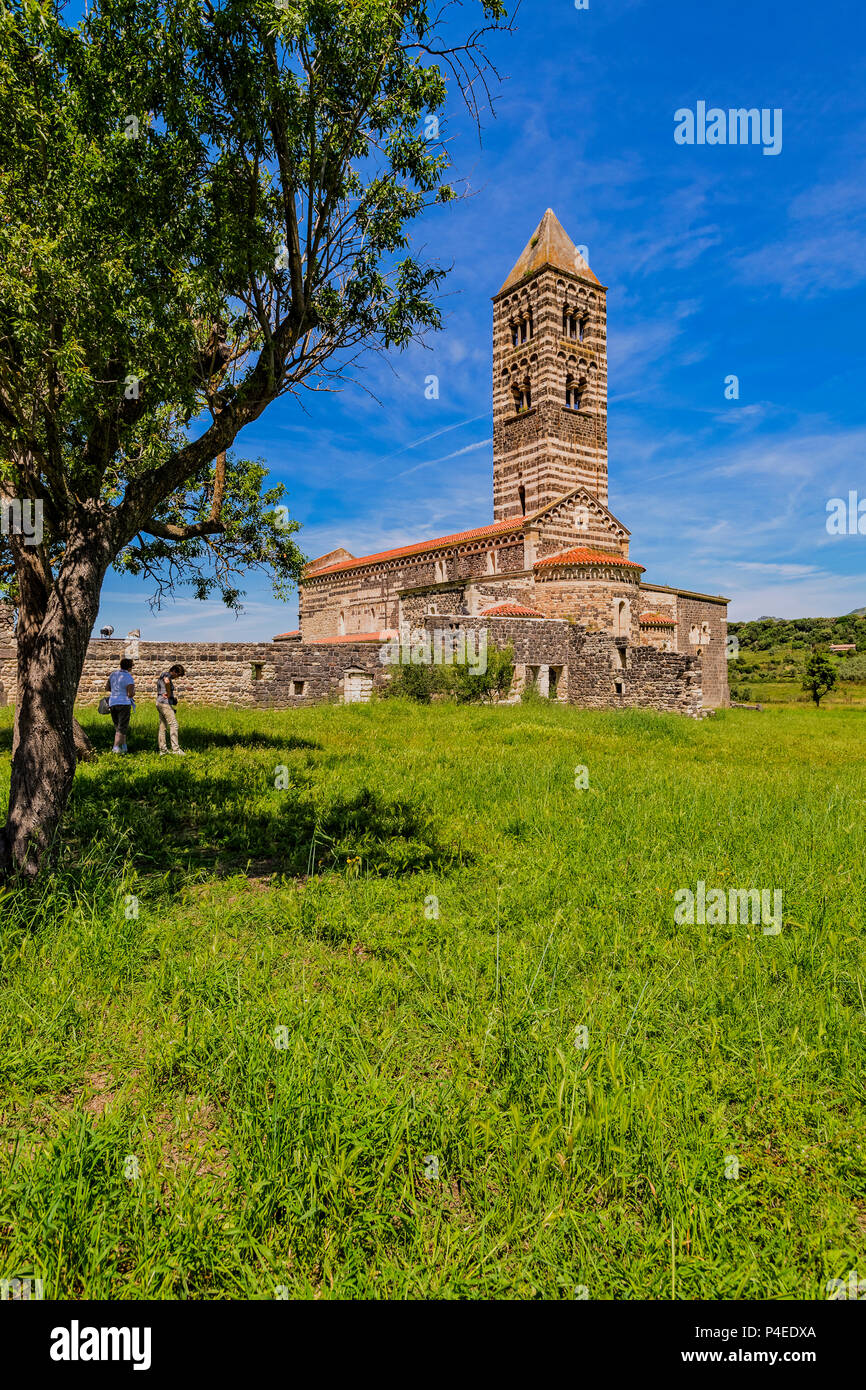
x,y
569,323
521,330
573,394
522,396
582,325
521,493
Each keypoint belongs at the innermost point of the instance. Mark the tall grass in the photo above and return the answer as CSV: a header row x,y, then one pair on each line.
x,y
422,919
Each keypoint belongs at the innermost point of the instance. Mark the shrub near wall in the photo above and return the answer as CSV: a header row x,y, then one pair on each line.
x,y
458,682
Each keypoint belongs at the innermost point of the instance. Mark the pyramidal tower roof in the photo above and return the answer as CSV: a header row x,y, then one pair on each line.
x,y
550,245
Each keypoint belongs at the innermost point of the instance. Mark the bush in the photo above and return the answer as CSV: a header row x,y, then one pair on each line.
x,y
853,668
458,682
416,683
469,688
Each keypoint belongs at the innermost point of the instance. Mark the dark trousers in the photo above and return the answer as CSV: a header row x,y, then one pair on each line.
x,y
120,718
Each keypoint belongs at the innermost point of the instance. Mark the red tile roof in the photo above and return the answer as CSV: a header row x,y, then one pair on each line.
x,y
493,528
284,636
511,610
582,556
657,619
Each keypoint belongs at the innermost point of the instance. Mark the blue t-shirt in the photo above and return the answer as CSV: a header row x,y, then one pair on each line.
x,y
120,681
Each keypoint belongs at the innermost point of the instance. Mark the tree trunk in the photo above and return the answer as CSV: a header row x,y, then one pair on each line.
x,y
84,750
54,627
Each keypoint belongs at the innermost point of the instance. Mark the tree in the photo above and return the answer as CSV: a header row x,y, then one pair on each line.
x,y
204,207
821,675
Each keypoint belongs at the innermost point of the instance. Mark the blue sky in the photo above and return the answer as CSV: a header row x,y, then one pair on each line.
x,y
720,260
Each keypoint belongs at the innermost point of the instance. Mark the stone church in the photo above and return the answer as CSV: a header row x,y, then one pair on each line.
x,y
550,574
554,561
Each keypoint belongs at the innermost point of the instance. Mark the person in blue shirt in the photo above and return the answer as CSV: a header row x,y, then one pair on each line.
x,y
121,702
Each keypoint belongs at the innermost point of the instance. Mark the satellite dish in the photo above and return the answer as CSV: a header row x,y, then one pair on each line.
x,y
106,632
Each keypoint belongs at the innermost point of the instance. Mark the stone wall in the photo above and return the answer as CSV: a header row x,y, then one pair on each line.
x,y
589,669
249,675
593,669
702,628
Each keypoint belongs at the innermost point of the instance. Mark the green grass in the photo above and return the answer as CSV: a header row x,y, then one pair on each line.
x,y
412,1034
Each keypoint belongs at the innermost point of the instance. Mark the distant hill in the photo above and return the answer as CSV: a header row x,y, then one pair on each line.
x,y
799,634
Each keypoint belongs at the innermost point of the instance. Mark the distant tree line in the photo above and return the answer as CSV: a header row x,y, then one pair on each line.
x,y
769,634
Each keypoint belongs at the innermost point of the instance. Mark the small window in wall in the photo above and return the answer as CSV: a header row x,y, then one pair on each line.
x,y
299,687
258,670
341,625
620,625
573,395
523,397
619,686
492,562
521,493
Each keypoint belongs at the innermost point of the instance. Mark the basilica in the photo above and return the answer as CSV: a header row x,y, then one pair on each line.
x,y
553,551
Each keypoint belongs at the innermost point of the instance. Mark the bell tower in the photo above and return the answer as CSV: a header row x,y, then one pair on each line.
x,y
549,377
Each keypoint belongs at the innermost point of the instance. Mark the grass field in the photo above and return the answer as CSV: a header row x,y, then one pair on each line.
x,y
243,1027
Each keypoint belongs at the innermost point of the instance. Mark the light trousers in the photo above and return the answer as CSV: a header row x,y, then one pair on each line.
x,y
167,720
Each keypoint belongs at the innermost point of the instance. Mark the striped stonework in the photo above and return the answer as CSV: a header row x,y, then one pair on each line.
x,y
549,377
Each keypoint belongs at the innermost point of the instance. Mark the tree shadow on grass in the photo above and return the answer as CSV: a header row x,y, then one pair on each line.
x,y
193,738
167,818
